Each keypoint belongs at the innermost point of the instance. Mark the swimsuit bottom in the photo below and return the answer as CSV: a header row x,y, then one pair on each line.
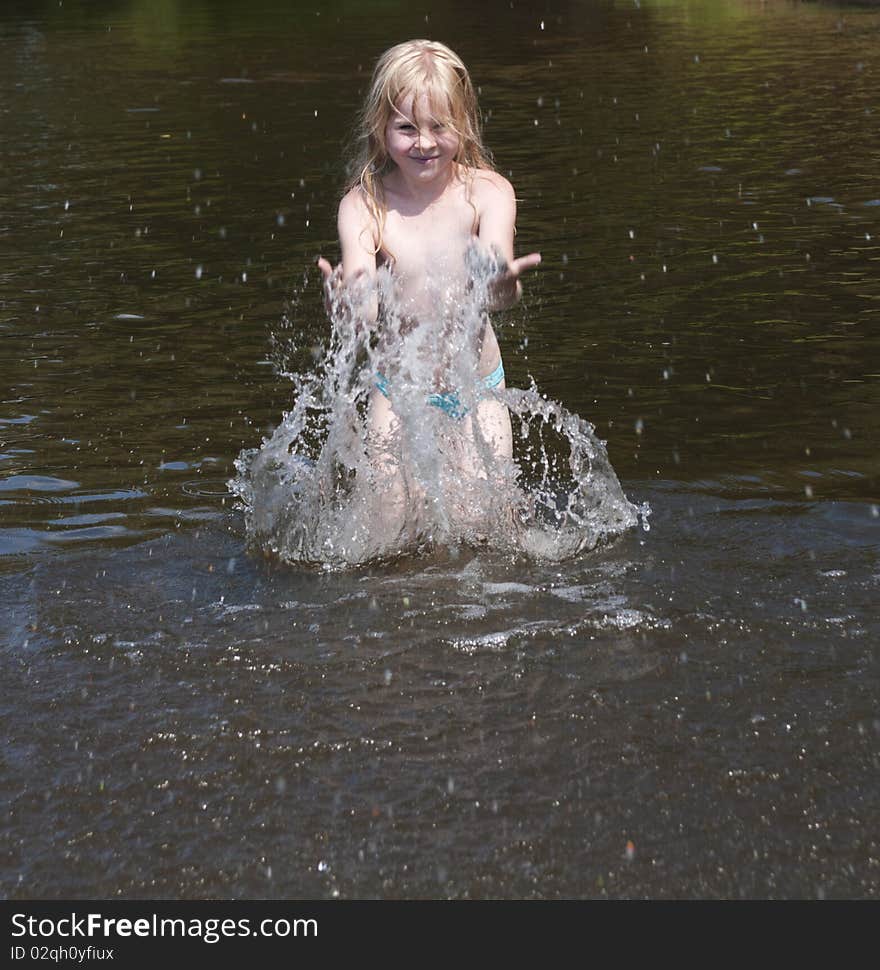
x,y
450,401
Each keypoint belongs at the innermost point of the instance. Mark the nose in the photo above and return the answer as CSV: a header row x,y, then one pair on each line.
x,y
427,141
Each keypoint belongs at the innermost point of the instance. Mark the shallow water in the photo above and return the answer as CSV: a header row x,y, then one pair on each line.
x,y
691,711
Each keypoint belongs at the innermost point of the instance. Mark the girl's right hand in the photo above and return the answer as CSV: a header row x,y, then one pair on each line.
x,y
325,267
332,282
340,295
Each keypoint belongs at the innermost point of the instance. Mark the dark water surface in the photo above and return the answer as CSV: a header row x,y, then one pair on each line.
x,y
690,712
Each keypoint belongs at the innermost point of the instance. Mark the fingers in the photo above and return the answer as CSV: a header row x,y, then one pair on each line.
x,y
524,263
329,271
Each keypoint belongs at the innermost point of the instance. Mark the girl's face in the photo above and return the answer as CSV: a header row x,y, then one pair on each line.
x,y
418,143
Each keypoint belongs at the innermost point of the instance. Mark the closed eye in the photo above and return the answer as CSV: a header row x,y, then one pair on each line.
x,y
406,126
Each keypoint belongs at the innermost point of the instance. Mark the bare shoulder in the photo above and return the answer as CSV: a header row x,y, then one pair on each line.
x,y
492,188
353,207
355,220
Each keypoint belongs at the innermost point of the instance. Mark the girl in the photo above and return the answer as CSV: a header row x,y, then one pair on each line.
x,y
426,205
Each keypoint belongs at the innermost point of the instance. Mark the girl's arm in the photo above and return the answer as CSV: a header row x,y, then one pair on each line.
x,y
350,287
497,213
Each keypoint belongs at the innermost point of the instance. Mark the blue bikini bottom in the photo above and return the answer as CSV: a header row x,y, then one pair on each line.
x,y
450,401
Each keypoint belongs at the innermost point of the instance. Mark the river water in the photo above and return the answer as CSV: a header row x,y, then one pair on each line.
x,y
689,711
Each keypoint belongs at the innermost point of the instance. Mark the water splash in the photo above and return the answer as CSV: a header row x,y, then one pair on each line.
x,y
354,473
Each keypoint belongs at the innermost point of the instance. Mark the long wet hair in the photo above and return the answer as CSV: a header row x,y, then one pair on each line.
x,y
416,67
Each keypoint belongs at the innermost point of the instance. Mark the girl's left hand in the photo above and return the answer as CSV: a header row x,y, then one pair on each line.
x,y
504,286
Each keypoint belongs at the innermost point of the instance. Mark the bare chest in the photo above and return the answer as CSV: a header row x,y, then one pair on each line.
x,y
427,243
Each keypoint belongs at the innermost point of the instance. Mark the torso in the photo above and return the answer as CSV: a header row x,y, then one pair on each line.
x,y
429,243
425,247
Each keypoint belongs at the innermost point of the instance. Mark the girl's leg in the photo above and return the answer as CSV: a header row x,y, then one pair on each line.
x,y
384,450
492,421
480,453
481,444
493,425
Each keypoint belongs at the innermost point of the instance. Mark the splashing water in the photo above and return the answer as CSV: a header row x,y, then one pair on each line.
x,y
396,444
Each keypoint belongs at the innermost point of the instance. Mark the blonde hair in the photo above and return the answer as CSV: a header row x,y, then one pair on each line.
x,y
416,67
